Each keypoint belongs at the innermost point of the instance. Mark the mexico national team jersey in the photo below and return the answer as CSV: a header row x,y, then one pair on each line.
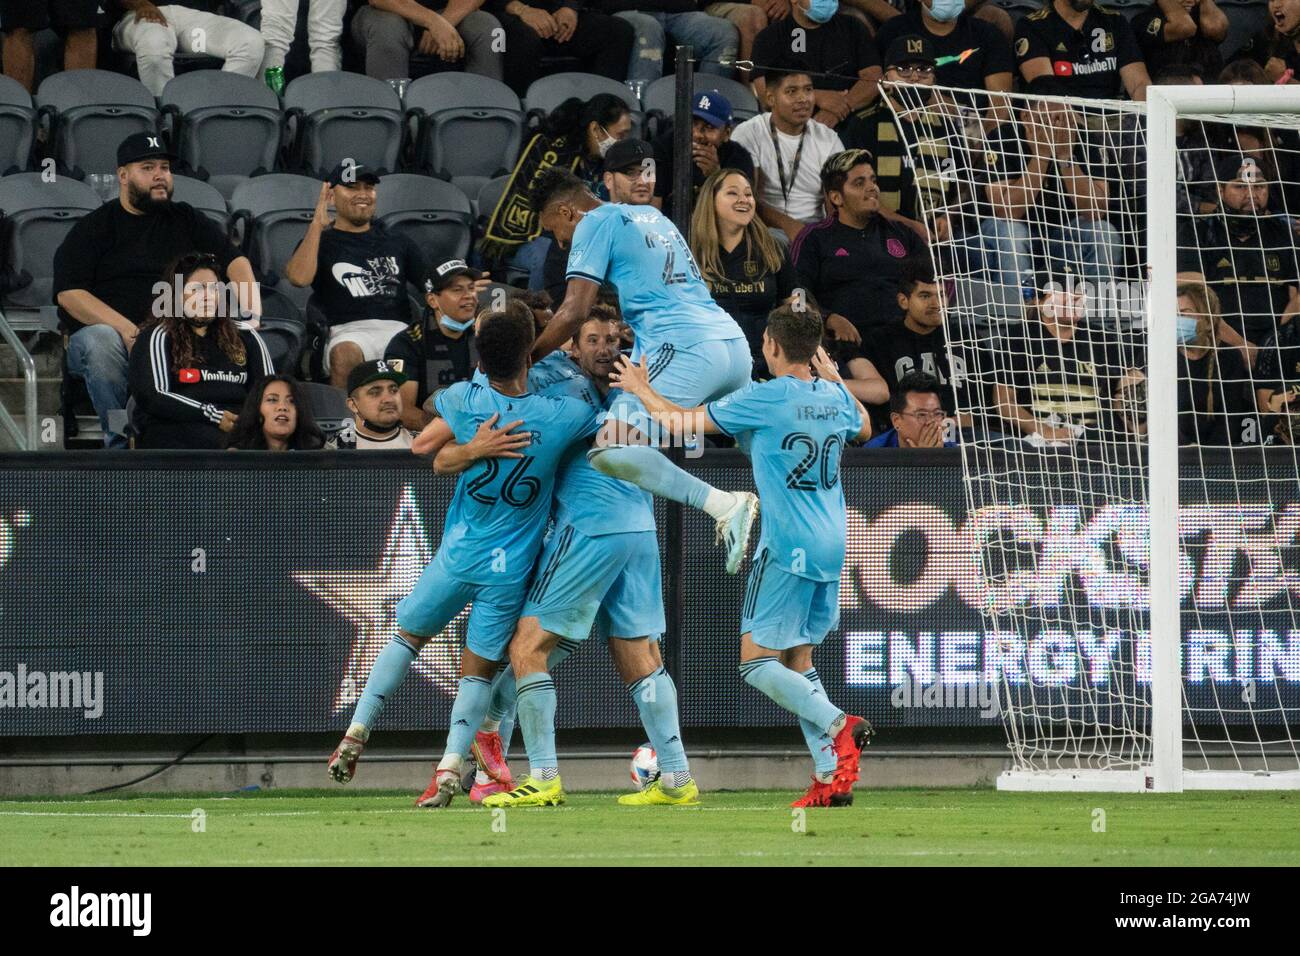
x,y
794,431
659,287
498,514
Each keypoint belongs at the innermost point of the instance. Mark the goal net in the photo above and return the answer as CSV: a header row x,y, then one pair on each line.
x,y
1120,283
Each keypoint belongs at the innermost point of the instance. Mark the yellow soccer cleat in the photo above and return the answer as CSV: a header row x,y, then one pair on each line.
x,y
657,795
530,793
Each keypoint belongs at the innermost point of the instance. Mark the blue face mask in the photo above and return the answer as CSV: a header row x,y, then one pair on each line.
x,y
821,11
447,322
945,11
1186,329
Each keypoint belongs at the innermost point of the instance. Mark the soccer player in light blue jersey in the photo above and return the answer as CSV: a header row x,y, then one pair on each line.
x,y
794,428
490,542
694,350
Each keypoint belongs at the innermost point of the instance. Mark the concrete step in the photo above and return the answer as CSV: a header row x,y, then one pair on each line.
x,y
48,356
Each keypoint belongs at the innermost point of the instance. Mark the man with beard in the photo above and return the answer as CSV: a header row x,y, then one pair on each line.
x,y
107,266
1092,50
357,269
375,398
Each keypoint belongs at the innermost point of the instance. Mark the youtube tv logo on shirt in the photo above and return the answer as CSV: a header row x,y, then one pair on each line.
x,y
188,376
1064,68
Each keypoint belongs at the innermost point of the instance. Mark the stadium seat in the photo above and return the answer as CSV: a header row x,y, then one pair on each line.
x,y
329,406
203,197
467,126
40,214
336,116
660,99
223,126
17,127
88,113
485,203
546,94
270,217
434,213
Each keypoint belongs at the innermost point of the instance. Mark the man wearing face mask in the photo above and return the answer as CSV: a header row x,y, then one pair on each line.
x,y
970,53
106,267
833,47
375,399
1090,49
1246,255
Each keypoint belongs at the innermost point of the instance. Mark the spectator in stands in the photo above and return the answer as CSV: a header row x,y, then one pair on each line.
x,y
789,148
746,270
916,343
1245,254
1277,380
1276,48
1196,191
880,12
575,136
435,351
1059,376
357,269
750,18
630,174
547,28
714,40
852,261
1183,33
375,398
712,148
195,365
21,20
106,268
970,52
324,32
458,31
916,414
834,48
909,59
1090,49
1243,73
155,33
276,417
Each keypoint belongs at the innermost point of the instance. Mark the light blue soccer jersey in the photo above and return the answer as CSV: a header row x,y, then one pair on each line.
x,y
660,292
501,505
794,431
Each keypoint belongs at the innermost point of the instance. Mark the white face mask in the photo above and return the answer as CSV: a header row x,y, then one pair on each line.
x,y
605,144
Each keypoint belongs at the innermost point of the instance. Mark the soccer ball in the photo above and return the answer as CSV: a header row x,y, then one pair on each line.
x,y
645,766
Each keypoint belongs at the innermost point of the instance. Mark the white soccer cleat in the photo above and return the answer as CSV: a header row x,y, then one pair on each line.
x,y
735,526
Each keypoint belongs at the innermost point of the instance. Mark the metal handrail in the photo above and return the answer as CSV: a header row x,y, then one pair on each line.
x,y
26,442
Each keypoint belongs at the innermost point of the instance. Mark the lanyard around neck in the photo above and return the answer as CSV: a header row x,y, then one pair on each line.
x,y
780,163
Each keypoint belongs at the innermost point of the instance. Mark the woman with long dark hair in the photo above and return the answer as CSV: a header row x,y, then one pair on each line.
x,y
191,365
276,417
746,270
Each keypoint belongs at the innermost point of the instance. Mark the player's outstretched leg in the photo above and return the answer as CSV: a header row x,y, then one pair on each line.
x,y
386,675
655,696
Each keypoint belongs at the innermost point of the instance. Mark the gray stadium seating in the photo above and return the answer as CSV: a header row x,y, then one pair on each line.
x,y
434,213
468,126
89,112
203,197
270,217
223,126
549,92
337,115
17,127
660,99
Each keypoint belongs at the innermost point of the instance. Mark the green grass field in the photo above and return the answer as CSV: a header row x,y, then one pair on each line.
x,y
894,827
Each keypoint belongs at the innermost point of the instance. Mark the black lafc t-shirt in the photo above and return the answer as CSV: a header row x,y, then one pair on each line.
x,y
118,256
429,358
363,275
974,50
1216,405
895,350
1249,261
838,50
1087,60
1197,51
1062,382
1278,369
747,291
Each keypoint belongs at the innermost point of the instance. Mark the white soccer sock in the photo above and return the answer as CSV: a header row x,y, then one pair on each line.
x,y
718,503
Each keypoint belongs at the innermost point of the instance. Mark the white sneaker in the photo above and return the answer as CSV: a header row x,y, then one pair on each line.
x,y
734,527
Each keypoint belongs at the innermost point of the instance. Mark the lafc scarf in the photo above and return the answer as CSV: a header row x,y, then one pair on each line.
x,y
514,221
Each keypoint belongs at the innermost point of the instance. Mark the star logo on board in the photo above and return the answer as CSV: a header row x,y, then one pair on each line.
x,y
368,598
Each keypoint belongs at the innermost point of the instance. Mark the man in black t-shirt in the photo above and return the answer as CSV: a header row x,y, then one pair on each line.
x,y
358,271
851,262
711,148
970,53
1277,384
1174,33
833,52
106,268
1089,48
1277,47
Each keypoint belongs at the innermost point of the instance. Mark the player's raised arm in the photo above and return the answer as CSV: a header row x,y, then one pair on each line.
x,y
431,439
679,421
579,297
488,442
827,370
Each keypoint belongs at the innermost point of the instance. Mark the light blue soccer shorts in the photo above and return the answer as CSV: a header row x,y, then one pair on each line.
x,y
438,597
612,580
686,375
783,610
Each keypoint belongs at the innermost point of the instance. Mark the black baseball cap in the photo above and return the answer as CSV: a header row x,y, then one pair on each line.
x,y
349,174
440,275
367,372
627,153
1238,166
141,146
910,49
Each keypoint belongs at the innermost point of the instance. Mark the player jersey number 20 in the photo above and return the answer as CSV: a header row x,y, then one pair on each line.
x,y
670,274
828,470
517,490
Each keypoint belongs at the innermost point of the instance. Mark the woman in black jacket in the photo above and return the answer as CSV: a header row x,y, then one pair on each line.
x,y
192,366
